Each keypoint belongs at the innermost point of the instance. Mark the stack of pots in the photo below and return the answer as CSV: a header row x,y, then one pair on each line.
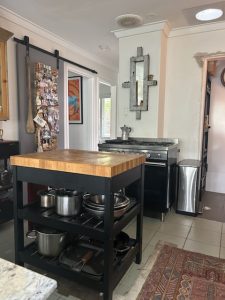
x,y
66,202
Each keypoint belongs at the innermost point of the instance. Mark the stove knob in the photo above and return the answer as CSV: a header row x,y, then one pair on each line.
x,y
148,155
159,155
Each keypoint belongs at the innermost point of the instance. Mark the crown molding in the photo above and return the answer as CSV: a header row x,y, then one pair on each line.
x,y
146,28
188,30
44,33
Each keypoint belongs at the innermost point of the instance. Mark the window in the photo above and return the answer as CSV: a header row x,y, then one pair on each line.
x,y
105,111
106,105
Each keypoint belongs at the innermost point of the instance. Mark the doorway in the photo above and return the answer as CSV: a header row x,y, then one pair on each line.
x,y
80,109
213,142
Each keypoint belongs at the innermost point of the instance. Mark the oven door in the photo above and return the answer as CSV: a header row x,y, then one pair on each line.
x,y
155,187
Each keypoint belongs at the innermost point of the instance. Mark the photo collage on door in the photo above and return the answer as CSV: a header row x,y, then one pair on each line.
x,y
47,107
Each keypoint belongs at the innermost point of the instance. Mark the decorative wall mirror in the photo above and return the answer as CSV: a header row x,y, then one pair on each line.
x,y
4,104
139,82
222,77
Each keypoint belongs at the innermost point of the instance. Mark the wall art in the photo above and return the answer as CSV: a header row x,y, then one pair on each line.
x,y
75,101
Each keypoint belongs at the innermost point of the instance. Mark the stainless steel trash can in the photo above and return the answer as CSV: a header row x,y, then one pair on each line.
x,y
189,172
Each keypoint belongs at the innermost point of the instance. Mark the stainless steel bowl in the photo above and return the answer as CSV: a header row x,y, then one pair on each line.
x,y
68,203
98,201
99,213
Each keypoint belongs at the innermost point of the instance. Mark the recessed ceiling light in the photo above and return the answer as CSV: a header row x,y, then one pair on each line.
x,y
209,14
104,47
129,20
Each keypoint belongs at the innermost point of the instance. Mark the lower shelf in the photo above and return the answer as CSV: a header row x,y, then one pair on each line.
x,y
30,256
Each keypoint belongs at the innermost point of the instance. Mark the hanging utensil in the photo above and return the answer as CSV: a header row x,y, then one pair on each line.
x,y
83,261
30,128
39,148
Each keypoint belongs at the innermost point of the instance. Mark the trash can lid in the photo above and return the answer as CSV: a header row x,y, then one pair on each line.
x,y
190,163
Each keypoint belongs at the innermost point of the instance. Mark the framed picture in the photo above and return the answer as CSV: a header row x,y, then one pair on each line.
x,y
75,105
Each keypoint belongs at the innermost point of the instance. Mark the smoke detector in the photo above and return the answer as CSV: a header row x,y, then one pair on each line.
x,y
129,20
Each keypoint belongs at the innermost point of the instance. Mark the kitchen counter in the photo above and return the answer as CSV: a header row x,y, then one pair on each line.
x,y
102,164
18,283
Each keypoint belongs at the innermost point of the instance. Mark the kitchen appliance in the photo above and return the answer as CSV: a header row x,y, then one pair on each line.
x,y
160,170
68,203
189,173
47,198
125,132
49,241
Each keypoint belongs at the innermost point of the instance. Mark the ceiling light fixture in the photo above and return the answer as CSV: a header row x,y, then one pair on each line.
x,y
209,14
129,20
104,47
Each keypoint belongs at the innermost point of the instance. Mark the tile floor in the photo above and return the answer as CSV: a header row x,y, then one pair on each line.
x,y
190,233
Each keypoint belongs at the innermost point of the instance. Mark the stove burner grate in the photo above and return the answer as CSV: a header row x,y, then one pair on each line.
x,y
136,142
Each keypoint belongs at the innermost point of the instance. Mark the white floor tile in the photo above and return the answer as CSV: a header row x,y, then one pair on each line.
x,y
174,229
204,236
179,241
223,228
223,240
207,224
179,219
222,252
202,248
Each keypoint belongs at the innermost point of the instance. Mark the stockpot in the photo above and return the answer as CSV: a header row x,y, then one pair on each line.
x,y
49,241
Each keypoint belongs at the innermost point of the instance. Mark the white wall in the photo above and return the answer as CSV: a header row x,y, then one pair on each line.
x,y
43,39
184,82
154,44
215,180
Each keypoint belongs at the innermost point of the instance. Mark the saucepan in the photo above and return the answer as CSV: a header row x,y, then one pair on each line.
x,y
68,203
47,198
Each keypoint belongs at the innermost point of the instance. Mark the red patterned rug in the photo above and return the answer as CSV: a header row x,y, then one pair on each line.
x,y
184,275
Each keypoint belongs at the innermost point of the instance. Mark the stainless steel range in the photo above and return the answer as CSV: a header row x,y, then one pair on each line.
x,y
160,169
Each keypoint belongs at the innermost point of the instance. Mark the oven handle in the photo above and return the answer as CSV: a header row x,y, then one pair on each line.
x,y
155,164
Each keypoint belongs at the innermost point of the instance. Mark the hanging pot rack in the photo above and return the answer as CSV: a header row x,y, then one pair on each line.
x,y
26,43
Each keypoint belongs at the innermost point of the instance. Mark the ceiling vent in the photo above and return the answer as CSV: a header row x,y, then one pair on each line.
x,y
129,20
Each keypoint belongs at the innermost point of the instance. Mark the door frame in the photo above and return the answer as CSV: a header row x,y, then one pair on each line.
x,y
93,94
205,60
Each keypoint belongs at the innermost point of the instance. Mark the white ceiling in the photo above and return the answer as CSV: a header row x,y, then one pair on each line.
x,y
88,23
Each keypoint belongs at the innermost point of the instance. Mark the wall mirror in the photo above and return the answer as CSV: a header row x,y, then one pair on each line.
x,y
4,103
139,70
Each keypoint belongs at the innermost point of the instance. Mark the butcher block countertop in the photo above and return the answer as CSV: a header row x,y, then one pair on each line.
x,y
104,164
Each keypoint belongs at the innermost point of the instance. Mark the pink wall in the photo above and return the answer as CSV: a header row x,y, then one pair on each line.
x,y
216,149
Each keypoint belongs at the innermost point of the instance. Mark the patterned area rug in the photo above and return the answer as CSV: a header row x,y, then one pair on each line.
x,y
184,275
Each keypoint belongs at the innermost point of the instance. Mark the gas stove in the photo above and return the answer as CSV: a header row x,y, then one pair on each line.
x,y
160,169
154,148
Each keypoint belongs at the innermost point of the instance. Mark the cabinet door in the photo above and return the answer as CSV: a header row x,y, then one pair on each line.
x,y
4,103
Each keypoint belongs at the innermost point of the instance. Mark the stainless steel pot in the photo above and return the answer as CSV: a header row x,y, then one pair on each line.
x,y
49,242
68,203
47,198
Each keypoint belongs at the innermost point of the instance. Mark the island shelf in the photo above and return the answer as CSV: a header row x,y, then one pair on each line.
x,y
93,172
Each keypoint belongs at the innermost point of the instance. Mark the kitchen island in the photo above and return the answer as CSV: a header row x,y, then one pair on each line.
x,y
84,171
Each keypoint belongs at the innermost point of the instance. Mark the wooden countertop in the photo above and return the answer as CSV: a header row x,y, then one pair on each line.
x,y
104,164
